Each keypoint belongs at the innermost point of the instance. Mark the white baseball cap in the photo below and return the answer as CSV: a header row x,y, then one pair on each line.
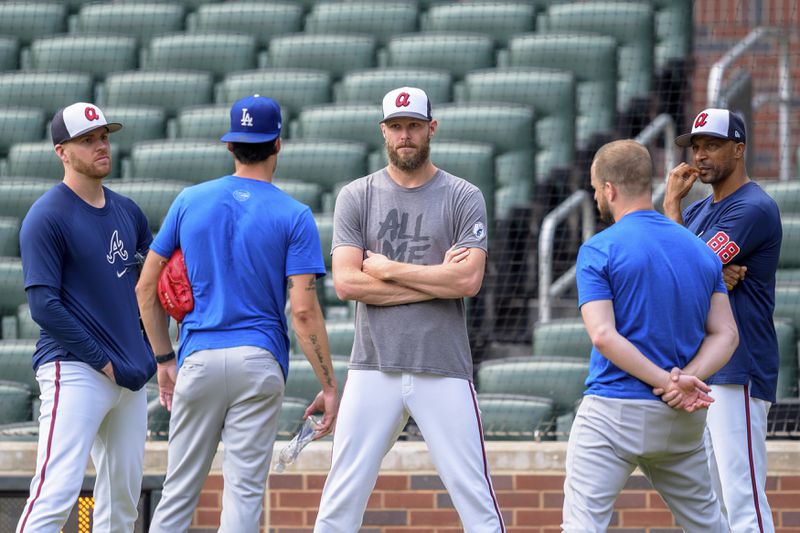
x,y
77,119
713,122
406,102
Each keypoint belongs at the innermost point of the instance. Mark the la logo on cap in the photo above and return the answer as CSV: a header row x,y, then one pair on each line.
x,y
247,118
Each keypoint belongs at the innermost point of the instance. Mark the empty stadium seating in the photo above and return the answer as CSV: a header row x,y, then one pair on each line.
x,y
353,122
153,196
786,194
204,122
292,88
303,383
789,260
97,55
17,194
563,337
787,349
12,290
20,124
261,20
9,53
16,401
498,19
324,162
30,20
514,416
49,91
17,366
381,20
217,53
331,52
369,86
167,89
178,159
454,52
140,123
308,193
39,159
141,20
9,236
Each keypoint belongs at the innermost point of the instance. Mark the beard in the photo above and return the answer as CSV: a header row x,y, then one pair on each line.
x,y
411,162
91,169
715,173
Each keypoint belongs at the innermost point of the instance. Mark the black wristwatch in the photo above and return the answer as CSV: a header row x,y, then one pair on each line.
x,y
166,357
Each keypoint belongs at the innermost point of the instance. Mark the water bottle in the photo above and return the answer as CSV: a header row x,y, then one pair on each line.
x,y
290,452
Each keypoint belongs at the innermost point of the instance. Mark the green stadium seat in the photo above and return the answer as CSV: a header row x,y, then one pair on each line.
x,y
308,193
340,337
39,159
20,431
141,123
351,122
787,348
498,19
551,95
293,89
786,194
787,304
218,53
261,20
674,29
16,362
141,20
20,124
562,337
454,52
12,286
324,162
26,327
9,236
31,20
327,292
168,89
334,53
303,383
381,20
592,59
177,159
203,122
325,227
514,416
157,420
559,378
15,399
510,128
9,53
49,91
789,261
291,417
369,86
17,194
153,196
631,24
98,55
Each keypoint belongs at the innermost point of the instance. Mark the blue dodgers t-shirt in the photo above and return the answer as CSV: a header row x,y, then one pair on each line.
x,y
241,239
89,256
660,279
745,229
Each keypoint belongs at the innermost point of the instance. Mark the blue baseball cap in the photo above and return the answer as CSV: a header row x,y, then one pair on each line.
x,y
254,119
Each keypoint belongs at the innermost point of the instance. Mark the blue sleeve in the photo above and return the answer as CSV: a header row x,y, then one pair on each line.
x,y
42,247
592,275
304,255
742,229
168,239
49,312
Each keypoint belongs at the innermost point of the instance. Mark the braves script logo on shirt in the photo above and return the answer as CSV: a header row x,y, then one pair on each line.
x,y
724,247
700,121
402,100
116,248
91,114
398,244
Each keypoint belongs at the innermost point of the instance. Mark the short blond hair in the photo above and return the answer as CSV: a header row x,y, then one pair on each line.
x,y
627,164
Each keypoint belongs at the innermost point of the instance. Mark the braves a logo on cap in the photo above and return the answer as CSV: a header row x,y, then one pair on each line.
x,y
700,121
91,113
116,248
247,118
402,100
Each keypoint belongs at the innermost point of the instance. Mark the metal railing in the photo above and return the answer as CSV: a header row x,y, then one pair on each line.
x,y
549,289
717,73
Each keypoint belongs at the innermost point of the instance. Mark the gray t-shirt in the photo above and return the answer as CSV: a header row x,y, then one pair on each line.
x,y
413,226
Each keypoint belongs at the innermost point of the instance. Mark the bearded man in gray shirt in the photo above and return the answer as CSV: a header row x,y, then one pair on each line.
x,y
409,243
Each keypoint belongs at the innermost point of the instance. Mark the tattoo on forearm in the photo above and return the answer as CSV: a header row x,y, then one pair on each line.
x,y
318,352
312,285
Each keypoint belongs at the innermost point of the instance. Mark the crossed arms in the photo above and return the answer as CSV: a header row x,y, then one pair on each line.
x,y
681,388
377,280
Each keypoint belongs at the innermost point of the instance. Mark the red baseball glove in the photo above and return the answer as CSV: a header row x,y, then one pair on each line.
x,y
174,289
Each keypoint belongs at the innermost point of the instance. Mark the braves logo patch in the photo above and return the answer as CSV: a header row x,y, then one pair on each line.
x,y
479,230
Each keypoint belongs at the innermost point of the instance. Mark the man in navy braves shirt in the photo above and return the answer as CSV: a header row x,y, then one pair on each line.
x,y
742,224
79,245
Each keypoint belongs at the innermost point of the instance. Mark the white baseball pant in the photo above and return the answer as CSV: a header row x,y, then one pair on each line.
x,y
611,437
374,409
85,414
735,439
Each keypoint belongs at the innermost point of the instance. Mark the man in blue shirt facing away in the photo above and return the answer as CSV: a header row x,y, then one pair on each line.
x,y
742,225
655,306
80,243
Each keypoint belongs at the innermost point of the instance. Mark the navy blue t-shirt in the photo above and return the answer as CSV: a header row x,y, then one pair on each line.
x,y
745,229
88,256
660,280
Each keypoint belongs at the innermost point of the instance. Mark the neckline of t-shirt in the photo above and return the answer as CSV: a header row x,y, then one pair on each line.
x,y
732,195
411,190
83,203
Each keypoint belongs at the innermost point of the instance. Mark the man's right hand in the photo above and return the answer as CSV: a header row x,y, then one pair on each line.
x,y
167,375
108,370
326,402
